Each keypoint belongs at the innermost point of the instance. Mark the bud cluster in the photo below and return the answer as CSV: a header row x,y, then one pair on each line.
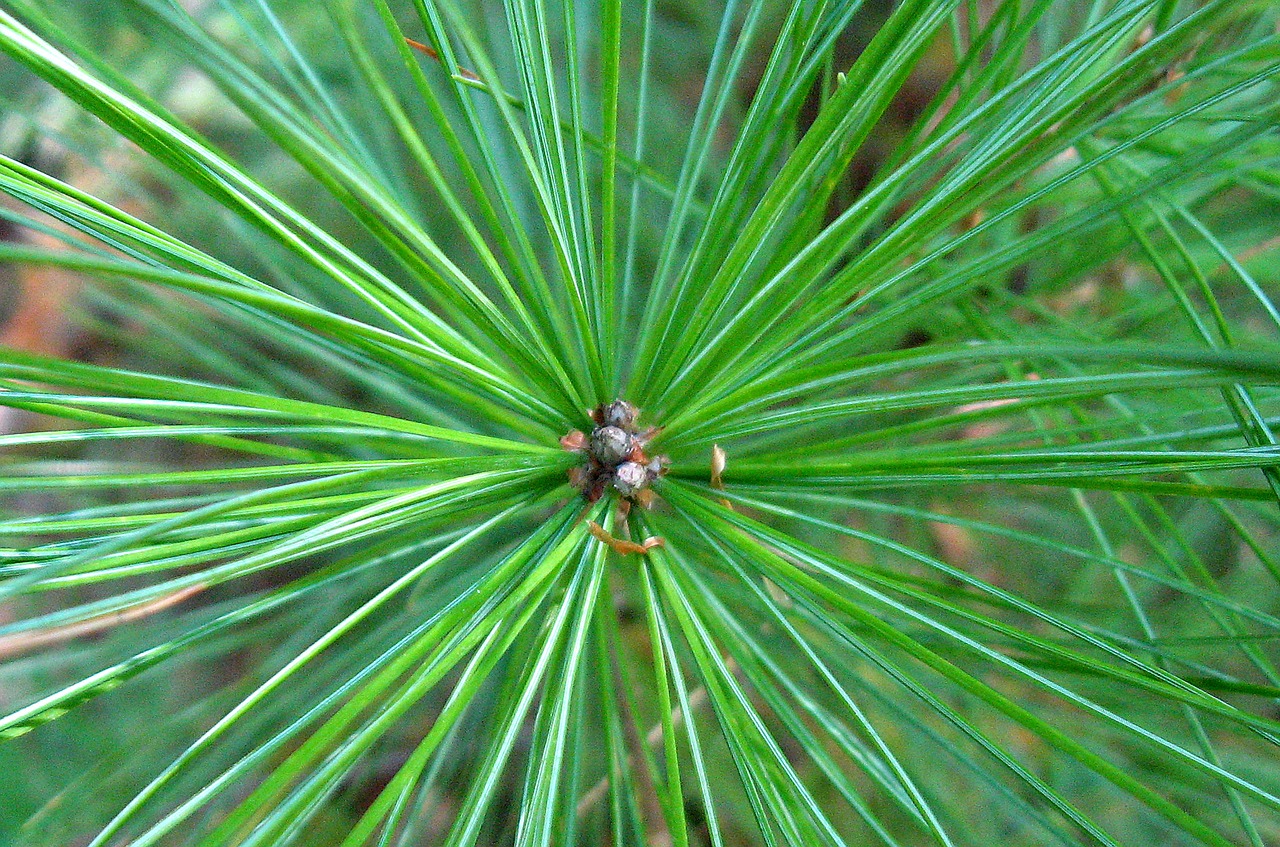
x,y
615,455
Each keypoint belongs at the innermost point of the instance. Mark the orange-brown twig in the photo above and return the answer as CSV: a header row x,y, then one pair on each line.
x,y
24,642
435,54
622,545
718,462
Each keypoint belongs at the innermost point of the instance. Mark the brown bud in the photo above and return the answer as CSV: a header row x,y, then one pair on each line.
x,y
610,445
629,478
619,413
